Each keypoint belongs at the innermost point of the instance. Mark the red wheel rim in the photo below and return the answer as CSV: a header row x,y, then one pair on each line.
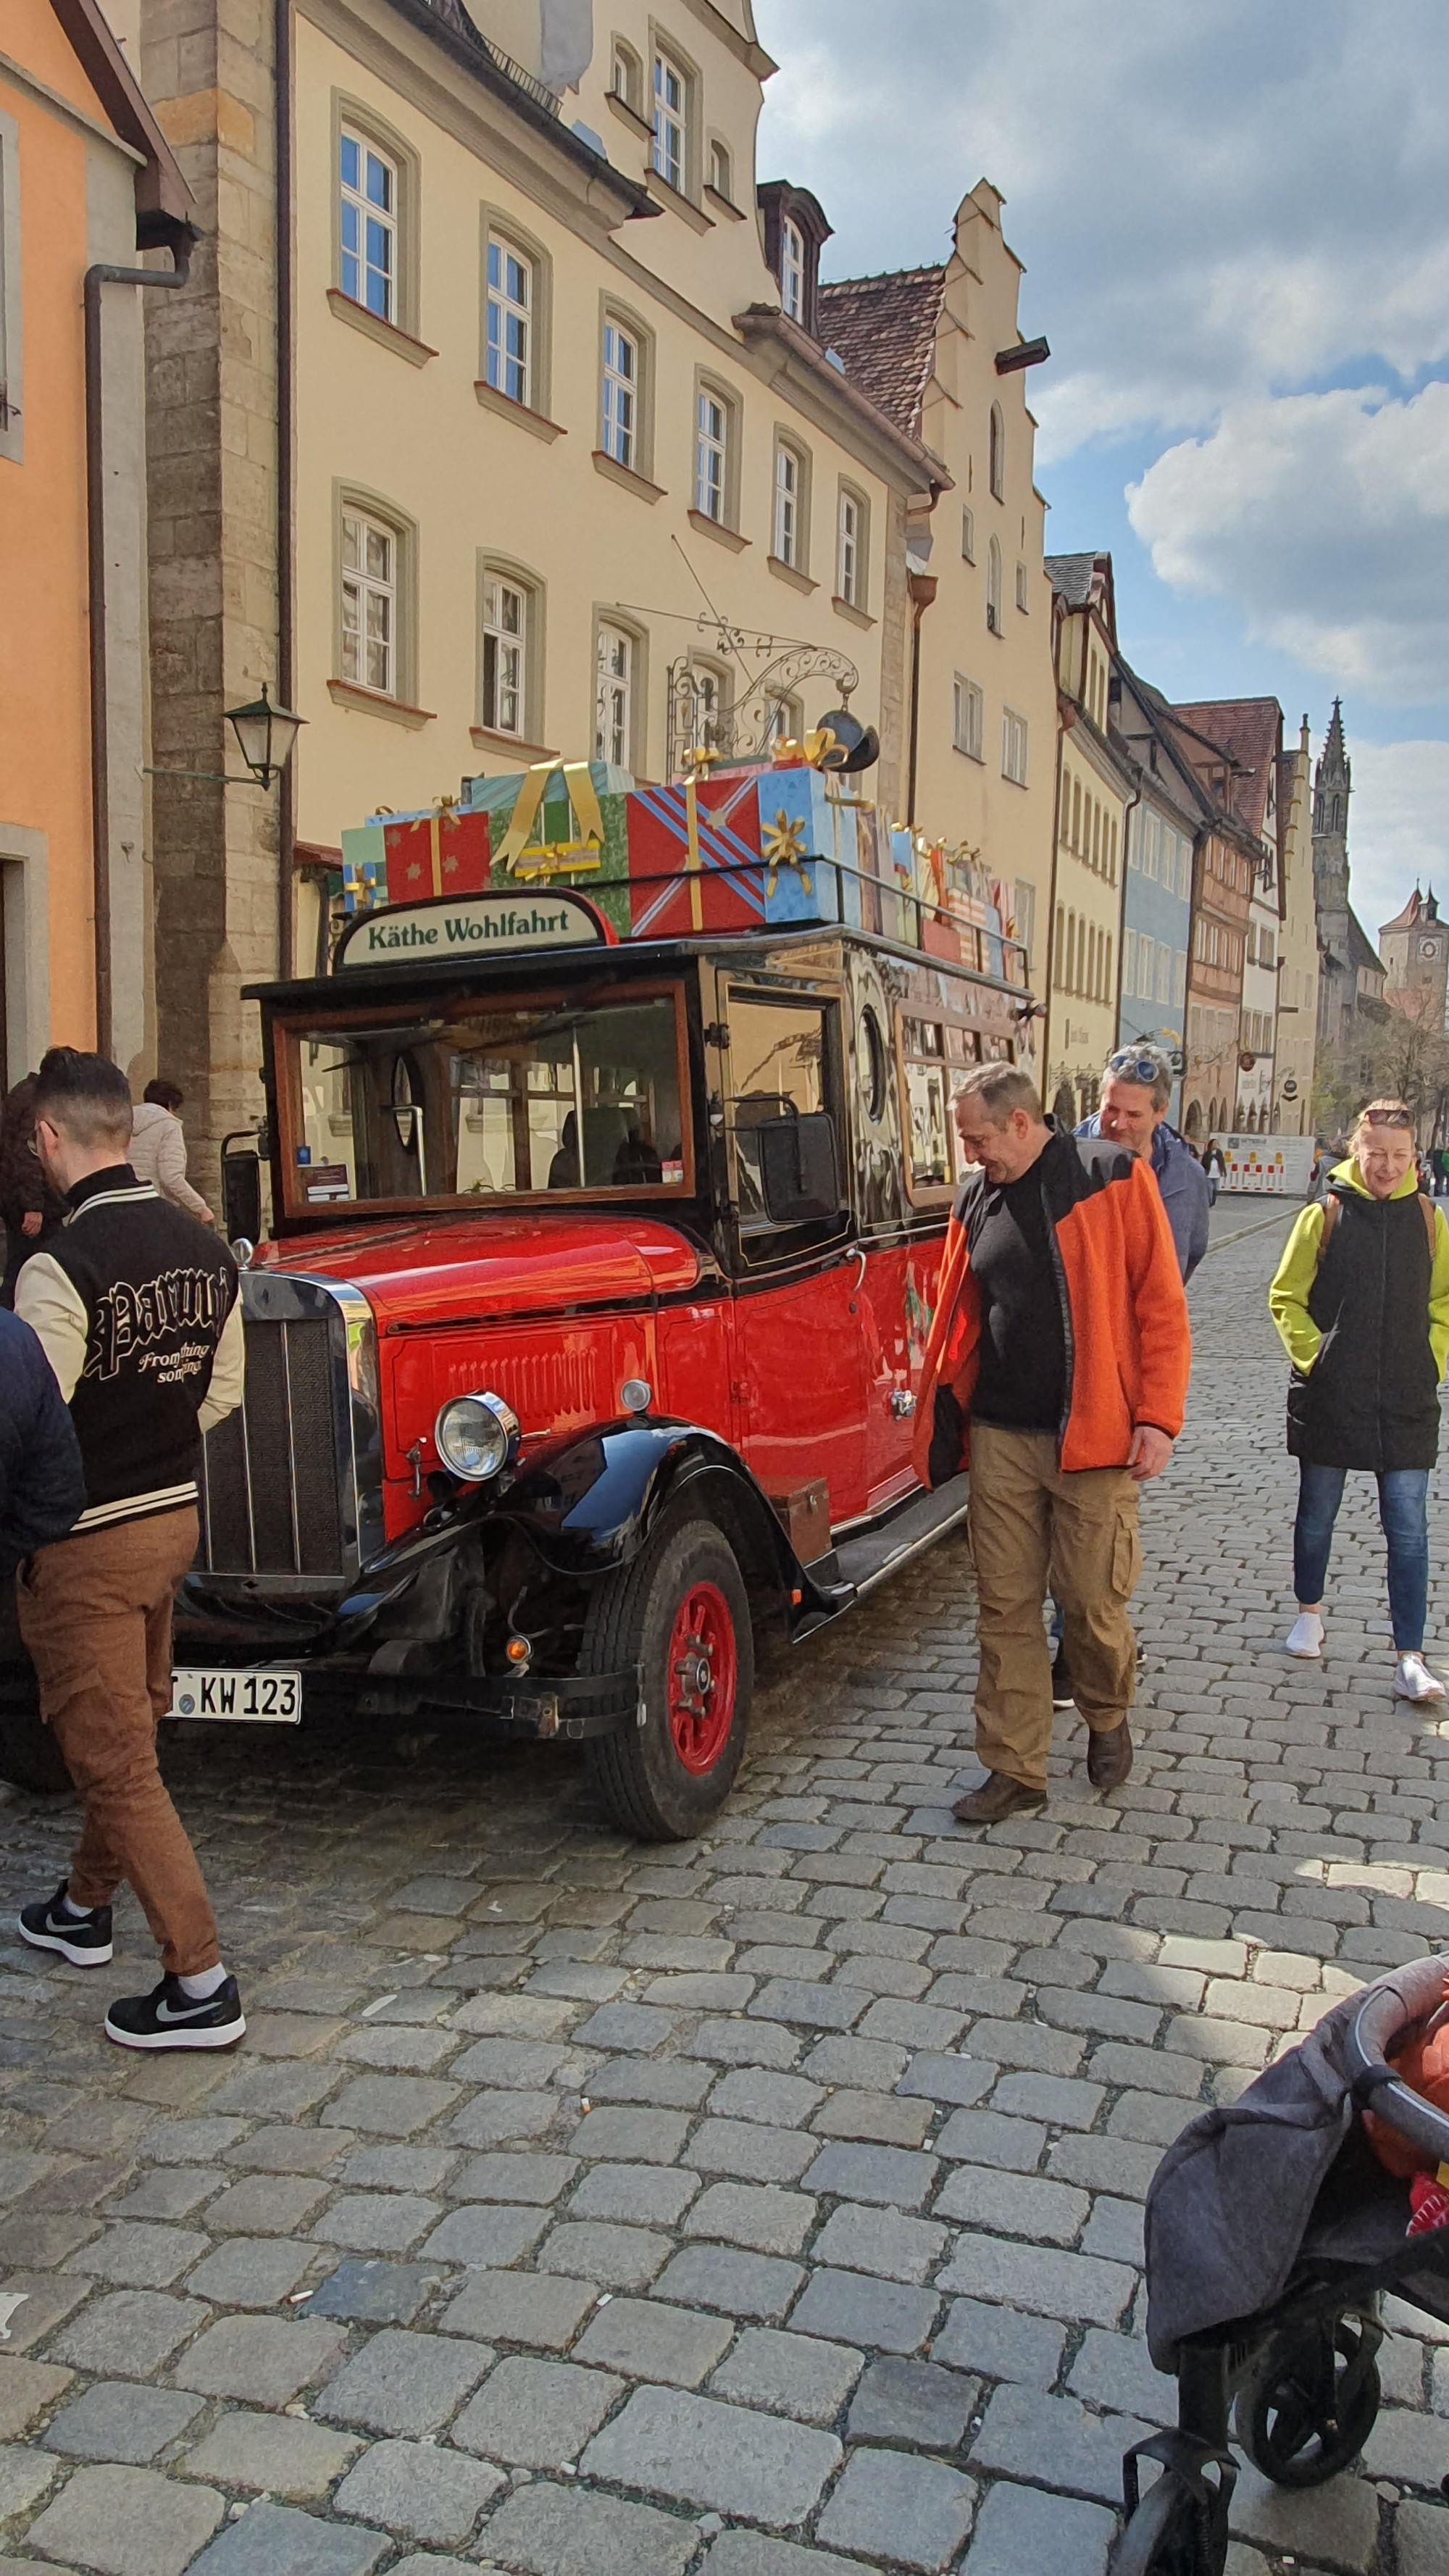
x,y
701,1673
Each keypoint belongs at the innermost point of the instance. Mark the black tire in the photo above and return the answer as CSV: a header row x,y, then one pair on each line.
x,y
640,1774
1169,2535
1280,2418
29,1753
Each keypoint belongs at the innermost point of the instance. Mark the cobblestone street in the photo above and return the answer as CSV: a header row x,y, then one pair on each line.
x,y
762,2207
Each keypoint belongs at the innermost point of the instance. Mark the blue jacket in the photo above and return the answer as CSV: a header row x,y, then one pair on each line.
x,y
42,1486
1184,1187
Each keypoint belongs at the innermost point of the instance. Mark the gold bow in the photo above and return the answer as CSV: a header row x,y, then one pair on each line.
x,y
554,858
814,750
783,847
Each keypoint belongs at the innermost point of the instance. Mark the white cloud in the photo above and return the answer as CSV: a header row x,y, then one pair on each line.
x,y
1398,826
1214,199
1325,517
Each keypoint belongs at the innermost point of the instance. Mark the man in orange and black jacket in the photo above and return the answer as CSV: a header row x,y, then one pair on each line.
x,y
1057,1366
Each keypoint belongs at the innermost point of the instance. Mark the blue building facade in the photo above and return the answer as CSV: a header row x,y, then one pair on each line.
x,y
1162,831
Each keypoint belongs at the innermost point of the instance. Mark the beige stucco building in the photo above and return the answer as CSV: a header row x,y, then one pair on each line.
x,y
569,476
940,349
1096,788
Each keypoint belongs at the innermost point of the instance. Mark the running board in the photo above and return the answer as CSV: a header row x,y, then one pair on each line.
x,y
865,1562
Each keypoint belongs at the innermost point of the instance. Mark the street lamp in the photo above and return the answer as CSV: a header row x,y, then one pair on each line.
x,y
265,735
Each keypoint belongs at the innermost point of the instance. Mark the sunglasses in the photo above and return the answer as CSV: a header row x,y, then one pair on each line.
x,y
1135,1068
1388,1118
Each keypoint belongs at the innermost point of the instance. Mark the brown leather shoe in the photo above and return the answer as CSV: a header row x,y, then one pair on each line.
x,y
1109,1756
998,1797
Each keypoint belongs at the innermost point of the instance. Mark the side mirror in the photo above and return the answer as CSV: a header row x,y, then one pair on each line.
x,y
241,1197
799,1167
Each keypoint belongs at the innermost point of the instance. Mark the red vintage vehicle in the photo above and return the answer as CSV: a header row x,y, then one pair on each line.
x,y
587,1345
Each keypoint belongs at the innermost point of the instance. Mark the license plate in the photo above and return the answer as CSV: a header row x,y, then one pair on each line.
x,y
247,1698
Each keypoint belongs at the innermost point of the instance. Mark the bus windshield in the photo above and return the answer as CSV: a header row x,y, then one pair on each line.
x,y
487,1102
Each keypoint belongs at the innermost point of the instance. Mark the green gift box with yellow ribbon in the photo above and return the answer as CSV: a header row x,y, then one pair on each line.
x,y
560,823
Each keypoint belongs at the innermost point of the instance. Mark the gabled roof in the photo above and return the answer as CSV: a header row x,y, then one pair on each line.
x,y
164,203
1071,576
884,328
1248,731
1418,908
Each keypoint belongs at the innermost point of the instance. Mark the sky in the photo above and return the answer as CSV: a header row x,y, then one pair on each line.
x,y
1235,226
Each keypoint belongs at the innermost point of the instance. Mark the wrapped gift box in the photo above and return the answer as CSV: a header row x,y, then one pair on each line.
x,y
444,851
709,878
801,826
364,869
560,823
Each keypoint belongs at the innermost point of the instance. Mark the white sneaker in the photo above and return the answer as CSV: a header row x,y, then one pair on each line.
x,y
1305,1637
1413,1680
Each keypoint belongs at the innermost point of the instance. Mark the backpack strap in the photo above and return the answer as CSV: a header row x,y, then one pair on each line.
x,y
1332,1211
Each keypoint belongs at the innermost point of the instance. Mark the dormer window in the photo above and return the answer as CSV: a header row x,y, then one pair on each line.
x,y
795,232
792,270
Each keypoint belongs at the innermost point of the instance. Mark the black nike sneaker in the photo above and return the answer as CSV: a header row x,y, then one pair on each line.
x,y
84,1939
171,2018
1063,1692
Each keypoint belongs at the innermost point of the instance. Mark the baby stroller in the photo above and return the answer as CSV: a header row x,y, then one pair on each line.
x,y
1273,2231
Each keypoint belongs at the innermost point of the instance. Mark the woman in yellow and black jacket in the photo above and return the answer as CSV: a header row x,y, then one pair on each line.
x,y
1361,1302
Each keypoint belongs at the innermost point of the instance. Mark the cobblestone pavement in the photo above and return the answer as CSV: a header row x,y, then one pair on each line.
x,y
764,2207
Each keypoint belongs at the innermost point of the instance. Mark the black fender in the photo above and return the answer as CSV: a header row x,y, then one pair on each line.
x,y
588,1504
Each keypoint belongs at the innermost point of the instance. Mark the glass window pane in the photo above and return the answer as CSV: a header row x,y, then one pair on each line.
x,y
348,160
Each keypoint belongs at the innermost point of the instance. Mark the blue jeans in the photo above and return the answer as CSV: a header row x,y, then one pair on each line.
x,y
1404,1513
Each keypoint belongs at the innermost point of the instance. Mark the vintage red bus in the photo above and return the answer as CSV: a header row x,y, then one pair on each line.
x,y
586,1344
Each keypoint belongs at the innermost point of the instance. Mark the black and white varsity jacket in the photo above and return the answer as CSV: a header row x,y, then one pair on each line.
x,y
138,1308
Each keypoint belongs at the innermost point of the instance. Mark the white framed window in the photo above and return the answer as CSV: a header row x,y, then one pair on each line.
x,y
968,536
367,228
787,720
792,270
1013,746
996,454
505,654
711,705
510,321
785,537
614,696
671,110
624,74
850,549
968,716
1129,961
1024,915
722,171
619,394
993,588
1021,590
369,603
711,455
1164,974
1146,984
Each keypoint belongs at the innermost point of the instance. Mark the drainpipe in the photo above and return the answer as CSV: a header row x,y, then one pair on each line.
x,y
922,587
182,238
286,674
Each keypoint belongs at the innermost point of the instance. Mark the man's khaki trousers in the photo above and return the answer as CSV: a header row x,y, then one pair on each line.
x,y
95,1614
1030,1523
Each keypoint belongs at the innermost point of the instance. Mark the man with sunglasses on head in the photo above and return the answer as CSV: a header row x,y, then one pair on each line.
x,y
137,1309
1136,1089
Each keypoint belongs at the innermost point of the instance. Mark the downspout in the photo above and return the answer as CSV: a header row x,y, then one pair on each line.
x,y
286,652
922,587
183,236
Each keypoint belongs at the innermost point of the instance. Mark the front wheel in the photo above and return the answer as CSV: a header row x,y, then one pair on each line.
x,y
1306,2406
1171,2534
680,1613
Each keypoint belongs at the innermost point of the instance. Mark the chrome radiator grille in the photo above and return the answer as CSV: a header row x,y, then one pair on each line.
x,y
288,1480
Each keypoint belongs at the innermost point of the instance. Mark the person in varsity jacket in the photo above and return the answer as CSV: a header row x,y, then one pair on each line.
x,y
1057,1362
138,1310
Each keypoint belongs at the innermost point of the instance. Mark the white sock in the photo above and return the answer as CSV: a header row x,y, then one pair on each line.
x,y
204,1983
77,1913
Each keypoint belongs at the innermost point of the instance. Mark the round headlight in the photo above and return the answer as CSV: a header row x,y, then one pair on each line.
x,y
476,1436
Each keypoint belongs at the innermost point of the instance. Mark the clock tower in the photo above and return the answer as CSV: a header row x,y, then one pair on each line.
x,y
1415,950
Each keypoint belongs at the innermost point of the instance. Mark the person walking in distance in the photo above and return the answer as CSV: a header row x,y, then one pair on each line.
x,y
158,1149
1361,1302
28,1205
1057,1368
138,1311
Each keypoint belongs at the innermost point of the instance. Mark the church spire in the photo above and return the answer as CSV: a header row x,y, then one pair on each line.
x,y
1333,768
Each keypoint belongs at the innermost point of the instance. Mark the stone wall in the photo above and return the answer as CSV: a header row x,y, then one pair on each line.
x,y
207,66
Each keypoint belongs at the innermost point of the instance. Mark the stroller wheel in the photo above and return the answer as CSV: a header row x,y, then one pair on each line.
x,y
1172,2533
1306,2405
